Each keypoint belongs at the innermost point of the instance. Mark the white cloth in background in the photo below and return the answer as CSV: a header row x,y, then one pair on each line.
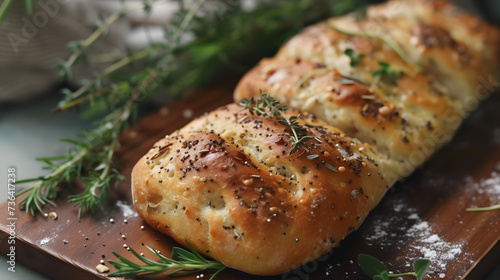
x,y
31,45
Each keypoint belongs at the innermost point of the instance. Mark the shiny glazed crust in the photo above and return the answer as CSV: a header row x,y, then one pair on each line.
x,y
227,184
407,119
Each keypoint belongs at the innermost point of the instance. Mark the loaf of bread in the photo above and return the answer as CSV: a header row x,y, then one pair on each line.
x,y
407,116
228,185
230,182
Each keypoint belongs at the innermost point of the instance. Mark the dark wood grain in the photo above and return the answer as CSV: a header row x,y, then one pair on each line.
x,y
424,214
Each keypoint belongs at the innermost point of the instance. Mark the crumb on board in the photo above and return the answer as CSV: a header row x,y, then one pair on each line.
x,y
102,268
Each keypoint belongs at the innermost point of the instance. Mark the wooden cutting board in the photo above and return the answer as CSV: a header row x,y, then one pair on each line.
x,y
422,216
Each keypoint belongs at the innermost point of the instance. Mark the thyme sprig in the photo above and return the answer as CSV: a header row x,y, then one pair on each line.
x,y
267,106
182,262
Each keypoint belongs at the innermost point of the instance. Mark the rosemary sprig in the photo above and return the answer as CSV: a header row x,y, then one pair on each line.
x,y
182,263
483,209
267,106
87,152
45,190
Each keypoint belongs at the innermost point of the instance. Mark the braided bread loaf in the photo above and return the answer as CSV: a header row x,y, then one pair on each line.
x,y
230,183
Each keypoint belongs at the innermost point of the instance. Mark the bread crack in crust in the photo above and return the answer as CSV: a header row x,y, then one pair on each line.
x,y
229,182
228,185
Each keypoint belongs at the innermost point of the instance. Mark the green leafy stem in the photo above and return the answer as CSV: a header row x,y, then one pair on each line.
x,y
376,270
4,8
483,209
267,106
182,262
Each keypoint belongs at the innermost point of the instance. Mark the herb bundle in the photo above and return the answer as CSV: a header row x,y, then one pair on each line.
x,y
265,105
224,38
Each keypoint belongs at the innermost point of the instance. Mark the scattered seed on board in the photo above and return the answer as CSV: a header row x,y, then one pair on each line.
x,y
53,215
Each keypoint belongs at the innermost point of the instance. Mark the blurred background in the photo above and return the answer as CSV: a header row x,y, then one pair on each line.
x,y
29,83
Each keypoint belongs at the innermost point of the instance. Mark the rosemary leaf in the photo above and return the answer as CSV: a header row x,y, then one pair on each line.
x,y
182,262
483,209
4,8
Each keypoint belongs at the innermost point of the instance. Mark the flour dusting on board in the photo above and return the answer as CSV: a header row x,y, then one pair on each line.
x,y
489,187
408,230
127,210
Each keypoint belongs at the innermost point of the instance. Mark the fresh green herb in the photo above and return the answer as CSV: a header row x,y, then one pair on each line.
x,y
311,157
182,263
329,166
28,4
355,57
376,270
391,43
267,106
483,209
388,71
264,105
89,153
4,8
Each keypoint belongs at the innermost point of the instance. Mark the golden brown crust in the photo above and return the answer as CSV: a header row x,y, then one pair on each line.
x,y
406,119
227,184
